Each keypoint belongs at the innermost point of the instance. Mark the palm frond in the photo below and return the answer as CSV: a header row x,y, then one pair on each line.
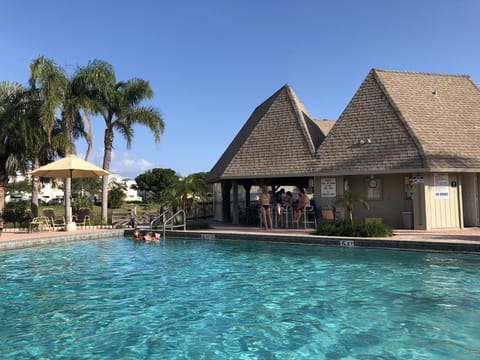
x,y
135,90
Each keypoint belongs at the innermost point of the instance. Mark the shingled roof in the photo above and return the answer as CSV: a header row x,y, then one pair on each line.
x,y
280,139
325,125
406,122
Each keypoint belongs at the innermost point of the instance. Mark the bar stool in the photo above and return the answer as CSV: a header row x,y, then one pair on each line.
x,y
275,218
288,212
309,217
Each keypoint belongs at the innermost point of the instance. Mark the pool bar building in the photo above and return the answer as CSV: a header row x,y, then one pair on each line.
x,y
409,141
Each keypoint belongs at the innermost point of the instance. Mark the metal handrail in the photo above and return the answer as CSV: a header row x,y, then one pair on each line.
x,y
162,215
174,226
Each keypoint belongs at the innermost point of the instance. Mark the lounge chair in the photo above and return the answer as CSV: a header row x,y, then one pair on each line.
x,y
39,223
56,222
82,217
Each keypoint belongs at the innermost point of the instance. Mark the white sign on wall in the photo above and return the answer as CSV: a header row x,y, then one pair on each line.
x,y
329,187
441,188
418,179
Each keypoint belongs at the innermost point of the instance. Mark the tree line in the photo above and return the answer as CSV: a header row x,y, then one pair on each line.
x,y
40,121
165,187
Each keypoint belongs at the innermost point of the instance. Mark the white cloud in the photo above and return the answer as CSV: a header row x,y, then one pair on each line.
x,y
129,165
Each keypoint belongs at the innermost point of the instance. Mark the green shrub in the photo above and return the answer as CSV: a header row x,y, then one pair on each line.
x,y
81,202
375,229
16,213
345,228
115,198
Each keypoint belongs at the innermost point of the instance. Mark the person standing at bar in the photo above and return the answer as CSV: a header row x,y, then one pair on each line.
x,y
265,207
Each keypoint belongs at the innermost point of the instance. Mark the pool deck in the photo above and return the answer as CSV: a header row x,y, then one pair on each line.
x,y
463,240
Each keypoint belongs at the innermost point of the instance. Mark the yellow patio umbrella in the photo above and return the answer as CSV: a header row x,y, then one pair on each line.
x,y
71,167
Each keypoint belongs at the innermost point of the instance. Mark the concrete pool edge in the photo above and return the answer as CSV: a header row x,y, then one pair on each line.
x,y
58,237
349,242
446,242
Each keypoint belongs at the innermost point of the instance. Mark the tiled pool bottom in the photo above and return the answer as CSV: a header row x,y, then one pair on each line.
x,y
120,299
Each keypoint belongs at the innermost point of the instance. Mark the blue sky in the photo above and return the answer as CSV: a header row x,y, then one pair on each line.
x,y
211,62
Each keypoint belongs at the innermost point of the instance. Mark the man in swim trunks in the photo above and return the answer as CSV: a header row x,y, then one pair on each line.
x,y
303,201
265,207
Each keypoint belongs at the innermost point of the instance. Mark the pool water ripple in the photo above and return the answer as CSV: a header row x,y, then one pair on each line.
x,y
114,299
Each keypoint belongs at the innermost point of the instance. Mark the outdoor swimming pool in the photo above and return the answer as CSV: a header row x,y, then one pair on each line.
x,y
110,299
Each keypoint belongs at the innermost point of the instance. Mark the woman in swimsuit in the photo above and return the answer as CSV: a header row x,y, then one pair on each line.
x,y
265,208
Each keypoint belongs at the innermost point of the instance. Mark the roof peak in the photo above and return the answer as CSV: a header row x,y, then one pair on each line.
x,y
406,72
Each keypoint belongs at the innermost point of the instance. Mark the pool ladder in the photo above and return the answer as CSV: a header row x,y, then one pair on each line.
x,y
168,222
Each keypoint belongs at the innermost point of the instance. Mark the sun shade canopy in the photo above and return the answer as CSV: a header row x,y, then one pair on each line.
x,y
70,166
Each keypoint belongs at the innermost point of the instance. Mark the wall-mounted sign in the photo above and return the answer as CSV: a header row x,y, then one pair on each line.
x,y
417,179
441,186
329,187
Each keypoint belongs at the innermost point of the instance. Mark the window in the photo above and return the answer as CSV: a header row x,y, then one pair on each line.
x,y
374,189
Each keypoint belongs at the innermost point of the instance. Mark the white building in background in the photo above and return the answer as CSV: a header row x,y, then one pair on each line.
x,y
132,192
130,184
51,190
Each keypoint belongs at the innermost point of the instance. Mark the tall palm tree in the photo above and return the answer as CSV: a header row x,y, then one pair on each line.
x,y
349,198
36,149
49,82
11,149
26,139
122,108
60,96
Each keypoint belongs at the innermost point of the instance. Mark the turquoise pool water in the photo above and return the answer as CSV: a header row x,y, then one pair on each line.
x,y
109,299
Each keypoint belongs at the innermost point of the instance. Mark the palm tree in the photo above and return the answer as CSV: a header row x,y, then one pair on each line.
x,y
33,139
11,149
49,82
121,108
172,199
192,188
48,86
349,199
59,95
28,142
203,191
